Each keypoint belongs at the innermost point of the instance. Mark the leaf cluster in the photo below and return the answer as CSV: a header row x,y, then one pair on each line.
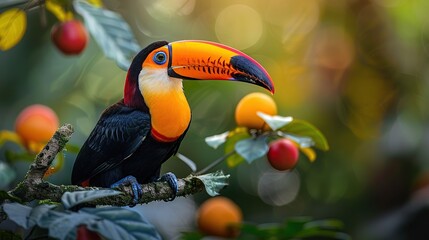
x,y
109,30
251,144
294,228
61,222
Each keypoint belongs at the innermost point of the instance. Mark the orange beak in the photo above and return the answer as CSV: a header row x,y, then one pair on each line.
x,y
213,61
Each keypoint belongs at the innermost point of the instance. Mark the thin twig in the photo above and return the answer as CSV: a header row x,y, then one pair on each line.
x,y
28,4
215,163
33,4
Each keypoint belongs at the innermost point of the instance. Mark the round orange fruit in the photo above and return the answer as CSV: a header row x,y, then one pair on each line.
x,y
36,124
249,105
219,216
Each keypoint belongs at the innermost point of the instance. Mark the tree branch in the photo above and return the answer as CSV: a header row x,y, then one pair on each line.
x,y
34,187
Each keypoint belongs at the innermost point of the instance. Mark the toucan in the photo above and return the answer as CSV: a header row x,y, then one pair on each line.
x,y
134,136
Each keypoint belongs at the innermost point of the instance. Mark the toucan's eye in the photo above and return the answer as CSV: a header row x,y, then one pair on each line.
x,y
160,58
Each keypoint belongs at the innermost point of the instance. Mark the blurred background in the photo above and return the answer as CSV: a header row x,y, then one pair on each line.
x,y
356,69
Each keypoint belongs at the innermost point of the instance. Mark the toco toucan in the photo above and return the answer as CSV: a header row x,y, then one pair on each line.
x,y
134,136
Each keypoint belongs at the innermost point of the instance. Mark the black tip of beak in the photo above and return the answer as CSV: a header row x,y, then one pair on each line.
x,y
251,72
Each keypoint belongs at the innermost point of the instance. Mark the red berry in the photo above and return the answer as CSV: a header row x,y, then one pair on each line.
x,y
283,154
70,37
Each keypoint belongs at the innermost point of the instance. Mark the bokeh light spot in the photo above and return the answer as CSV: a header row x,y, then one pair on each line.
x,y
302,21
239,26
162,10
331,54
278,188
295,19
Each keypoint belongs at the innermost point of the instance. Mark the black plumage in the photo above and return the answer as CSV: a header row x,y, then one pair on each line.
x,y
121,145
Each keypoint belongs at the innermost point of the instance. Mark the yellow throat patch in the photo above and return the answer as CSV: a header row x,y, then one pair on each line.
x,y
169,109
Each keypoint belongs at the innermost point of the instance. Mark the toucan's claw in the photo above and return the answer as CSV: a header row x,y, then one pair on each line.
x,y
171,179
135,186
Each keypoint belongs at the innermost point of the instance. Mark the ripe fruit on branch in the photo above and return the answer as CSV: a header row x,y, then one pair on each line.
x,y
217,217
70,37
35,125
283,154
249,105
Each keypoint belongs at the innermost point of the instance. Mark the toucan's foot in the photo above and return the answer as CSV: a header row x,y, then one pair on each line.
x,y
171,179
135,186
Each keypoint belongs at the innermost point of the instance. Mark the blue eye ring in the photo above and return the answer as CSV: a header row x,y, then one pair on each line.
x,y
160,58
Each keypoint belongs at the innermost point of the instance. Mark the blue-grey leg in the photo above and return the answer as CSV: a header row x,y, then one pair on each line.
x,y
171,179
135,186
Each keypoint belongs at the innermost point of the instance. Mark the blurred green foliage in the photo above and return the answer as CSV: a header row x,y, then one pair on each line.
x,y
356,69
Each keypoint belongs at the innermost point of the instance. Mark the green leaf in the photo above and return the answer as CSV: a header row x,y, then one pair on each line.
x,y
261,231
18,213
21,156
7,175
235,136
251,229
191,236
110,31
252,149
217,140
275,122
326,228
302,128
39,213
71,199
120,223
234,160
214,182
62,225
322,234
110,222
296,228
332,224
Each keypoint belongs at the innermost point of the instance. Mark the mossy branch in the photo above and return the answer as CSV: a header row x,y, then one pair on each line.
x,y
34,187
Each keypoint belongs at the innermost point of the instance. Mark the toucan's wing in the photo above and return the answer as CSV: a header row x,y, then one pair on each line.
x,y
118,133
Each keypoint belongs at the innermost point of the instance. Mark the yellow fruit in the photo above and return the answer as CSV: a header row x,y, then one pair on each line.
x,y
36,124
249,105
219,216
